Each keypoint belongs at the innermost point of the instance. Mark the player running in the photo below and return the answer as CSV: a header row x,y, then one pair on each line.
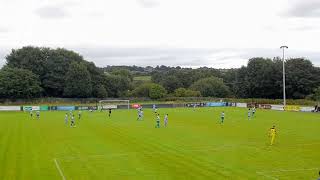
x,y
154,109
222,117
272,135
158,121
66,119
31,114
38,115
79,115
73,124
249,114
140,114
110,111
166,120
253,111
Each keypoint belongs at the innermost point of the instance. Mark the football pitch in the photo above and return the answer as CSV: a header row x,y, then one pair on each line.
x,y
193,146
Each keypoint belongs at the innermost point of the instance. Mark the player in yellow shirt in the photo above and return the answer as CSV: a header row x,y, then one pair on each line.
x,y
272,134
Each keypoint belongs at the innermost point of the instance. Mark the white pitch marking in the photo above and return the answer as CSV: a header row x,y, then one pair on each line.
x,y
58,167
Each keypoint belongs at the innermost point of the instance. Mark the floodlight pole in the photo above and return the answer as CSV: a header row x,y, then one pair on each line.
x,y
284,75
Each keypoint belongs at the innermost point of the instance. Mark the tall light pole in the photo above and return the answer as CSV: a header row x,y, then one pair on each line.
x,y
284,75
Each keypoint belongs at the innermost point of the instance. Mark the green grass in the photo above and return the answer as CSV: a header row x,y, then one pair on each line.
x,y
142,78
193,146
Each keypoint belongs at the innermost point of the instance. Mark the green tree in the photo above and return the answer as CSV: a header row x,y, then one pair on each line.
x,y
116,85
183,92
19,83
97,78
211,87
316,95
101,92
260,78
301,78
123,72
30,58
142,90
78,81
51,65
151,90
171,83
157,91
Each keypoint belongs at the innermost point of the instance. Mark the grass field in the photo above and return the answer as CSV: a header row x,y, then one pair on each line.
x,y
193,146
142,78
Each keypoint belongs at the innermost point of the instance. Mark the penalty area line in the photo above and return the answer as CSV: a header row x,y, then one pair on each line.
x,y
59,169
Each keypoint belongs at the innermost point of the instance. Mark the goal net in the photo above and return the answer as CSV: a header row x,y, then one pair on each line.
x,y
114,104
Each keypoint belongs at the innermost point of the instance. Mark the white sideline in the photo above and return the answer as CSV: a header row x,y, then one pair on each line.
x,y
58,167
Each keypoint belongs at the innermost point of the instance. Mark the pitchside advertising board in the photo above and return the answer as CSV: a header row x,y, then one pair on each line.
x,y
82,108
10,108
307,109
109,107
196,104
277,107
66,108
216,104
31,108
243,105
264,106
135,106
44,108
292,108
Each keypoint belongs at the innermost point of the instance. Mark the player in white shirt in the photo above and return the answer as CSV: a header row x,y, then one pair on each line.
x,y
66,119
222,117
166,120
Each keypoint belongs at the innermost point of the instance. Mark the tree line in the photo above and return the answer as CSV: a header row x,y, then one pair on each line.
x,y
32,72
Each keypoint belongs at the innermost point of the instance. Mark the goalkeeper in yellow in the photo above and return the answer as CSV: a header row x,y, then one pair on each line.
x,y
272,135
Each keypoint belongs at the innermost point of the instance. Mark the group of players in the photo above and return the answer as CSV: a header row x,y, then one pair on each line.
x,y
251,114
37,114
72,119
157,115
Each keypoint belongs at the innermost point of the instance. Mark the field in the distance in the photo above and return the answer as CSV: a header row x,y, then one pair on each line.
x,y
193,146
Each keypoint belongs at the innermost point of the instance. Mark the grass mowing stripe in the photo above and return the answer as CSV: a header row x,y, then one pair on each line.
x,y
184,155
128,141
267,176
193,146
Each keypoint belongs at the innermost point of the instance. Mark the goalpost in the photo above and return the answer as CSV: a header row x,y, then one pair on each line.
x,y
114,104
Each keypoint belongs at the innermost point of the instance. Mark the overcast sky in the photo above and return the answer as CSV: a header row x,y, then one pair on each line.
x,y
189,33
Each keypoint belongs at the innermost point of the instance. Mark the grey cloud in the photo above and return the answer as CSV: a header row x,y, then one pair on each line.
x,y
51,12
219,58
303,9
148,3
185,57
146,56
3,53
4,30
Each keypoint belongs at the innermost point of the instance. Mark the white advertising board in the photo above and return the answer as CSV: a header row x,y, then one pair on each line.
x,y
277,107
9,108
243,105
306,109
